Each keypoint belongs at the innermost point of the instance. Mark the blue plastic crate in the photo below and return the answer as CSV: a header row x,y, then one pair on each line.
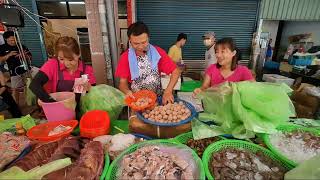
x,y
271,65
301,60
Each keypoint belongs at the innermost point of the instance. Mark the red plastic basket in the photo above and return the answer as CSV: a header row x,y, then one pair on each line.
x,y
94,123
141,94
41,131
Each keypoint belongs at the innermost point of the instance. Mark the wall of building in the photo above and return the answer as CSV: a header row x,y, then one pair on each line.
x,y
272,28
300,27
73,24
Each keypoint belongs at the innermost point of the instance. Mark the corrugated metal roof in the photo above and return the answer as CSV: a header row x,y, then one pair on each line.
x,y
290,10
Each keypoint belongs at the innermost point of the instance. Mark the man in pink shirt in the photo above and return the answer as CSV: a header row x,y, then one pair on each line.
x,y
140,66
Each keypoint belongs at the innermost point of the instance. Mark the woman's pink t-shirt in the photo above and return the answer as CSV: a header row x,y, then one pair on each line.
x,y
50,68
241,73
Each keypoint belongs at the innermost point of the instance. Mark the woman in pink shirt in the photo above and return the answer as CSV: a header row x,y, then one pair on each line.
x,y
59,73
226,69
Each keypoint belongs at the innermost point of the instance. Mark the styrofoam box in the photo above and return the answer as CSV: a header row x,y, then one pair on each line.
x,y
165,81
275,78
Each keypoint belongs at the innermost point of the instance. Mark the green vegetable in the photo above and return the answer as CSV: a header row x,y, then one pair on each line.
x,y
37,172
9,124
103,97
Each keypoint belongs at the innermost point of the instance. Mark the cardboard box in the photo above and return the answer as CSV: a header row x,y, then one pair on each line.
x,y
285,67
305,105
304,111
275,78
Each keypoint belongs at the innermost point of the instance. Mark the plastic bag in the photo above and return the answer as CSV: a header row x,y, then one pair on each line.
x,y
265,99
31,98
11,146
202,130
9,124
103,97
245,108
309,123
309,169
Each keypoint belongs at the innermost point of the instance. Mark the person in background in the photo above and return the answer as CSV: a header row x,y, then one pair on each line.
x,y
9,54
140,66
226,69
269,51
59,73
209,40
175,52
7,100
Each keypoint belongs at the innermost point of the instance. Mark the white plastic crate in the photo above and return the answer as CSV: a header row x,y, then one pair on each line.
x,y
165,81
275,78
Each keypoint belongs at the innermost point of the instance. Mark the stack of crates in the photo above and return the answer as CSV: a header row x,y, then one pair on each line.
x,y
300,60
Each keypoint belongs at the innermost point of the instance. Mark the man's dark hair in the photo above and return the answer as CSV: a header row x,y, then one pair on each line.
x,y
181,36
137,29
8,34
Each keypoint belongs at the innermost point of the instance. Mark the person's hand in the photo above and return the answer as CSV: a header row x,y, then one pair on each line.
x,y
196,92
129,94
26,54
12,53
167,97
87,86
2,89
40,103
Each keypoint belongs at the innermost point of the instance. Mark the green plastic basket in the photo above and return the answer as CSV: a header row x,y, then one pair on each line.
x,y
237,144
115,165
287,128
106,166
183,138
189,86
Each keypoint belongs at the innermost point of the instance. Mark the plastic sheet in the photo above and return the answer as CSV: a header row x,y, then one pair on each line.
x,y
245,108
309,169
103,97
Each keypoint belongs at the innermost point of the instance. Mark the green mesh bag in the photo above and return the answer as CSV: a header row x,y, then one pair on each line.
x,y
115,167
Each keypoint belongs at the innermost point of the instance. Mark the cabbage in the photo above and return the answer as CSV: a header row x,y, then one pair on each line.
x,y
103,97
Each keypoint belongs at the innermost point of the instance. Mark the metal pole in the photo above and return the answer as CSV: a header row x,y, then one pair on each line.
x,y
112,35
105,40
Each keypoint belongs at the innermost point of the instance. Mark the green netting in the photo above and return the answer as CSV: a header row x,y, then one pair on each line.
x,y
115,165
237,144
287,128
183,138
106,166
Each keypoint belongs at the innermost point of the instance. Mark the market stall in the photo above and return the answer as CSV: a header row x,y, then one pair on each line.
x,y
244,131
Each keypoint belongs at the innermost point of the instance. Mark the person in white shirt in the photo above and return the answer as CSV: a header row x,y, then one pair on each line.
x,y
209,40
